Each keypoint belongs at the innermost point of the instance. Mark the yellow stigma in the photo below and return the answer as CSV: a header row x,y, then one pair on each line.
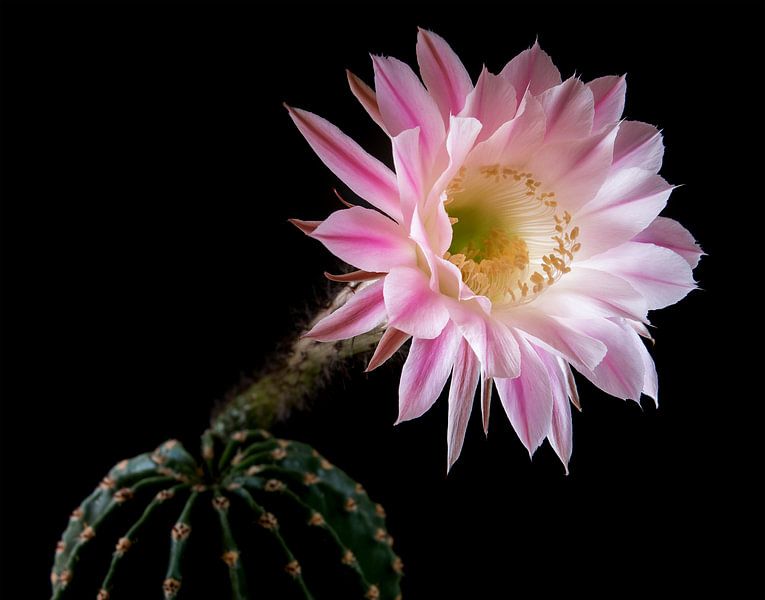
x,y
509,239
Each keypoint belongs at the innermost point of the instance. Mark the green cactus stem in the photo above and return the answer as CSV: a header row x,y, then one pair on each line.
x,y
292,378
290,525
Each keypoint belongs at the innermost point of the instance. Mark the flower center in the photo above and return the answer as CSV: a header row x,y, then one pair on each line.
x,y
509,239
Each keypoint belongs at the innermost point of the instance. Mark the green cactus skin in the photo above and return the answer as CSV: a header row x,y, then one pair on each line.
x,y
292,378
290,525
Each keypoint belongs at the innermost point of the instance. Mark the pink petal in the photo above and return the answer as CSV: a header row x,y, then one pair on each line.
x,y
410,174
588,293
650,377
560,334
367,97
463,132
561,431
491,340
444,74
307,227
627,203
528,399
661,276
412,306
364,311
516,140
461,393
405,104
608,93
638,145
621,372
569,111
366,239
364,174
531,70
575,170
388,345
669,234
425,372
492,102
353,276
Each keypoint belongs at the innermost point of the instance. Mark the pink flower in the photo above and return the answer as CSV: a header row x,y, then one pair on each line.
x,y
518,236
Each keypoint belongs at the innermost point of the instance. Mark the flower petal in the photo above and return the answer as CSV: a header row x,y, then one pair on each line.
x,y
425,372
661,276
444,74
461,393
531,70
493,102
560,334
412,306
353,276
627,203
366,239
621,372
307,227
490,339
392,339
561,431
569,110
575,170
608,93
405,104
638,145
364,174
528,399
650,377
516,140
366,97
463,132
589,293
669,234
364,311
407,160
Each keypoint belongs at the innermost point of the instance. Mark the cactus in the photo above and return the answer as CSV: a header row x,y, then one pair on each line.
x,y
289,525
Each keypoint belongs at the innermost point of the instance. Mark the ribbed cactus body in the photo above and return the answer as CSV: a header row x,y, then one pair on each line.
x,y
256,518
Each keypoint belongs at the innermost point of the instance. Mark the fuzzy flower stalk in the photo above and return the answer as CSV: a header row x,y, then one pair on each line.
x,y
516,237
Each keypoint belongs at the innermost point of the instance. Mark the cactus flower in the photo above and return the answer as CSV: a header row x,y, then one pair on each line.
x,y
518,235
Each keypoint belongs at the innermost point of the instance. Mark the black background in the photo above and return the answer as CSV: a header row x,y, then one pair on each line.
x,y
148,170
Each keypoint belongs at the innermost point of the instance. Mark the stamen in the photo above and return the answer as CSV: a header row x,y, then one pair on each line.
x,y
510,242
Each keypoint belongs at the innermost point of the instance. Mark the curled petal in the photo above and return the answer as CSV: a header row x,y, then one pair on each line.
x,y
388,345
353,276
363,312
307,227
